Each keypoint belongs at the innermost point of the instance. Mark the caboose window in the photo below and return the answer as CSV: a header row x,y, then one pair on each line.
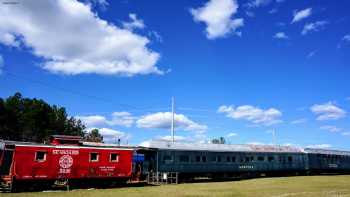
x,y
204,158
40,156
114,157
198,158
260,158
94,156
290,158
270,158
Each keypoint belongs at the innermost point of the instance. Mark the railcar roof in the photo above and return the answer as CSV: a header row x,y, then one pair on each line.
x,y
327,152
220,147
83,145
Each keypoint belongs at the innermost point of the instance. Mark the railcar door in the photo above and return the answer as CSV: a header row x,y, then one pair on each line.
x,y
6,160
138,160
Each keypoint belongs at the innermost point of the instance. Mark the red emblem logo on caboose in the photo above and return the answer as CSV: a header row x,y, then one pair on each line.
x,y
66,161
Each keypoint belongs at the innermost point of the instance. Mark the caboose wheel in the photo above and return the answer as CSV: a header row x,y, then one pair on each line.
x,y
13,186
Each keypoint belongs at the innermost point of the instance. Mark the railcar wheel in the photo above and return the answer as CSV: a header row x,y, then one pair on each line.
x,y
13,186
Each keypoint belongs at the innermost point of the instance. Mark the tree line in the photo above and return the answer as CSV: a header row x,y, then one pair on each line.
x,y
34,120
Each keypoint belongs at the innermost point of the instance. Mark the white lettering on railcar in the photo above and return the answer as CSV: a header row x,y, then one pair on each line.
x,y
65,152
64,171
332,165
246,167
107,168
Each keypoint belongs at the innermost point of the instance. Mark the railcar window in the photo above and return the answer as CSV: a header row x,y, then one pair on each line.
x,y
166,158
40,156
228,159
184,158
204,158
252,158
270,158
233,159
290,158
114,157
246,159
198,158
94,157
260,158
218,159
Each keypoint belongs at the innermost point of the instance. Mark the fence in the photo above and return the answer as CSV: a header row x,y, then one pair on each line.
x,y
160,178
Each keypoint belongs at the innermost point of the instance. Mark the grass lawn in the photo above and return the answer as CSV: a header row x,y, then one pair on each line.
x,y
318,186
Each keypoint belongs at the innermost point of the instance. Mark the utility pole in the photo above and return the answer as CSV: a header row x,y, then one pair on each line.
x,y
274,137
172,119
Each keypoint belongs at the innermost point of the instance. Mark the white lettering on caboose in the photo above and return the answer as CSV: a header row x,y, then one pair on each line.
x,y
65,152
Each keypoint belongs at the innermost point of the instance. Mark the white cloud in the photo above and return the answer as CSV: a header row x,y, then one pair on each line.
x,y
313,27
281,24
156,36
280,35
345,134
346,38
217,15
250,14
331,128
1,63
321,146
327,111
110,135
272,11
258,3
253,114
117,119
122,119
92,121
311,54
255,143
162,120
8,39
71,39
170,138
103,4
299,15
135,23
299,121
232,135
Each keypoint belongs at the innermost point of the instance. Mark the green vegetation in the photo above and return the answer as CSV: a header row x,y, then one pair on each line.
x,y
34,120
314,186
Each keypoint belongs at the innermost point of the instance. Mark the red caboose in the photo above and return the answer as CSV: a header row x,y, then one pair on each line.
x,y
66,159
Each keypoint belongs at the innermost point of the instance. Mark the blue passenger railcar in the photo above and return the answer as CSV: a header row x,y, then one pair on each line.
x,y
222,159
328,161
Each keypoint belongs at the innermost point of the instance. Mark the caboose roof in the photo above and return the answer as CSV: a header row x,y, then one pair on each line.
x,y
83,145
220,147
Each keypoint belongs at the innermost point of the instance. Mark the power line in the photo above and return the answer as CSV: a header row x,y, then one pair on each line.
x,y
16,76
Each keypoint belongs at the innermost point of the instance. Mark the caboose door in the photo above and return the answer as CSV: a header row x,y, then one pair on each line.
x,y
6,161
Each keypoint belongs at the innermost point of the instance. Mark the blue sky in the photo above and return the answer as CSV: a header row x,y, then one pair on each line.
x,y
237,69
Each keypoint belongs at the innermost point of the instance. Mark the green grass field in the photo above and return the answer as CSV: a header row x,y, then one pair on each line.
x,y
318,186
